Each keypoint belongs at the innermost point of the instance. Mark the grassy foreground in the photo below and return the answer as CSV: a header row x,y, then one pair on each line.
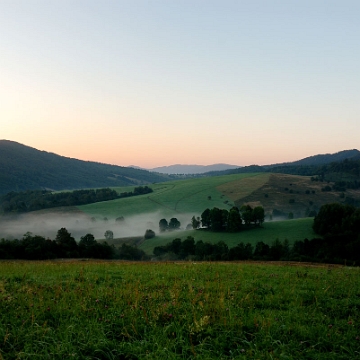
x,y
117,310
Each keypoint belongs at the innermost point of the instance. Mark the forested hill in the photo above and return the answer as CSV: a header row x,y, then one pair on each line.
x,y
326,165
26,168
324,159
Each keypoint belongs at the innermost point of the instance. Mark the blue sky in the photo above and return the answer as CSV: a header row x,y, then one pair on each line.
x,y
153,83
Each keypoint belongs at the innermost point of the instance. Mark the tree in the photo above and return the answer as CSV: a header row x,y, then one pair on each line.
x,y
163,225
258,215
187,247
149,234
205,218
175,246
246,214
241,252
234,220
262,251
67,243
216,216
195,222
333,219
87,240
86,245
174,224
220,251
109,235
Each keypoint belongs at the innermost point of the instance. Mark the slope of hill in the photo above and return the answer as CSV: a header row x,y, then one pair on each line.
x,y
192,169
323,159
23,168
313,165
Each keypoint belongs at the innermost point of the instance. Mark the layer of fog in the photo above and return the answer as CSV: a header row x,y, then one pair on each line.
x,y
78,225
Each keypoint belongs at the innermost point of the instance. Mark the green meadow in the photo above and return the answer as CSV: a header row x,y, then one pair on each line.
x,y
176,197
119,310
292,230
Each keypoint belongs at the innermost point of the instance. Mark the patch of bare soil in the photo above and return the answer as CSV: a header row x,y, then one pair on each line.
x,y
293,194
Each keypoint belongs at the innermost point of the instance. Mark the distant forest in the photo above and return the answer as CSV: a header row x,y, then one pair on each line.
x,y
32,200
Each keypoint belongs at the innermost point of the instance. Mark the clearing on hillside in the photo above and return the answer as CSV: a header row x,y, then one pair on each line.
x,y
282,194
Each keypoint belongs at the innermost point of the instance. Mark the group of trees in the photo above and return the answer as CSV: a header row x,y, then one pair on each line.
x,y
337,219
233,220
334,249
173,224
190,250
139,190
35,247
339,226
32,200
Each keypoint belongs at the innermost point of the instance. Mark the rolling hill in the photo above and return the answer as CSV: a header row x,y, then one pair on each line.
x,y
312,165
24,168
192,169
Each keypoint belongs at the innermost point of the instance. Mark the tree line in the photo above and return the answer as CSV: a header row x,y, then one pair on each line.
x,y
35,247
32,200
234,220
337,224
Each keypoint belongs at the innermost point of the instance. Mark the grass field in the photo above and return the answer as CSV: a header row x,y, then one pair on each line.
x,y
291,230
117,310
184,198
176,197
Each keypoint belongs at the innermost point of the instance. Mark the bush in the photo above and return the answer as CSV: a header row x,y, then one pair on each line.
x,y
149,234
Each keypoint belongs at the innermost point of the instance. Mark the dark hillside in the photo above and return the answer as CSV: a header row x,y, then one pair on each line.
x,y
332,167
25,168
323,159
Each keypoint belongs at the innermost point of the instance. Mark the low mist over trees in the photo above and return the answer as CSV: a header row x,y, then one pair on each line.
x,y
337,226
173,224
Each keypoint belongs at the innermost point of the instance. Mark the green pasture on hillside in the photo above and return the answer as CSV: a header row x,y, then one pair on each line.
x,y
173,197
118,310
291,230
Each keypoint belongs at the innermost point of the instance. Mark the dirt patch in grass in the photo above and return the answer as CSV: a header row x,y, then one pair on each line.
x,y
293,194
241,188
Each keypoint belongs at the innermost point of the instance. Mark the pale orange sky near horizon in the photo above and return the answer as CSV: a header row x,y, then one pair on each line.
x,y
158,83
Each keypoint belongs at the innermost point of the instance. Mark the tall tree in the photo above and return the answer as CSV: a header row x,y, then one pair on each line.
x,y
163,225
174,224
234,220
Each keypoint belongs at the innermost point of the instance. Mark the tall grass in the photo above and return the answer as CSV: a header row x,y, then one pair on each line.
x,y
116,310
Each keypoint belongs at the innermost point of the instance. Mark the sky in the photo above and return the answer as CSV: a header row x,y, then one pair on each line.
x,y
155,83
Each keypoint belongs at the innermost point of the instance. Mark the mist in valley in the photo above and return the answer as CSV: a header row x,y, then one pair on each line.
x,y
79,224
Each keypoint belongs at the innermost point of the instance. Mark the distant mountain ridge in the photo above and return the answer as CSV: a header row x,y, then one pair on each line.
x,y
192,169
26,168
322,159
308,166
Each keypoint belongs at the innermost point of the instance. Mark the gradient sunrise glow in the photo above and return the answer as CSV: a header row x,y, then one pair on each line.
x,y
152,83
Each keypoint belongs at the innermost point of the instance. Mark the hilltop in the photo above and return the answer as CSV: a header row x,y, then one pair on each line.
x,y
192,169
312,165
23,168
